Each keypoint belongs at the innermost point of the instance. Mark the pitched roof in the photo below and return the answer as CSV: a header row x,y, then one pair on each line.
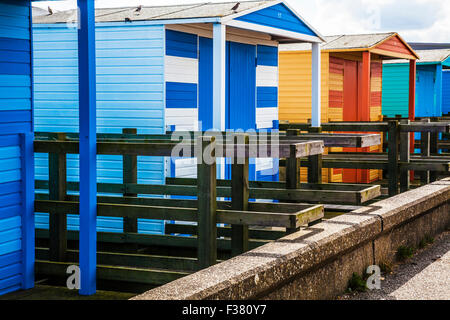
x,y
343,42
428,56
187,11
429,45
433,55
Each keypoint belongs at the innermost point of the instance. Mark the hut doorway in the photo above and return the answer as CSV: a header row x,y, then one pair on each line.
x,y
241,86
351,110
425,94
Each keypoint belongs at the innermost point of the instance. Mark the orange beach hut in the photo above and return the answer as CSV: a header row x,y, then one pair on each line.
x,y
351,77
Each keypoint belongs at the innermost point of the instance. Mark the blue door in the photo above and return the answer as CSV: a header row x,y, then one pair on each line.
x,y
426,95
241,86
446,91
241,92
205,83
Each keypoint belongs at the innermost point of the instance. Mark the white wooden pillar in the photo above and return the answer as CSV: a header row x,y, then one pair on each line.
x,y
316,86
219,55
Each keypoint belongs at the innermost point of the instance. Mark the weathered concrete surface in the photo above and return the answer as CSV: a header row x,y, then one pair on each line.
x,y
426,276
317,262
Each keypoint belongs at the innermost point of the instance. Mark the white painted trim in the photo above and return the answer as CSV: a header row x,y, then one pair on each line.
x,y
262,164
316,86
265,117
184,119
274,31
179,69
186,168
266,76
219,46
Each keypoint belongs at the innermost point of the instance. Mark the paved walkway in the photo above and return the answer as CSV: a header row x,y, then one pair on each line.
x,y
426,276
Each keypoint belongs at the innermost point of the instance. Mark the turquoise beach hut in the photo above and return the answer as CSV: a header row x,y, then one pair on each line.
x,y
432,85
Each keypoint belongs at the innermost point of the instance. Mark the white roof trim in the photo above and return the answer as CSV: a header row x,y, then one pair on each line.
x,y
274,31
226,20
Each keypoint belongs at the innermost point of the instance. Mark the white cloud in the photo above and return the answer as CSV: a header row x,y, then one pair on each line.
x,y
415,20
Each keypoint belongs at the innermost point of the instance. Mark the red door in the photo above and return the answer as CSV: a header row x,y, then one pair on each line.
x,y
351,99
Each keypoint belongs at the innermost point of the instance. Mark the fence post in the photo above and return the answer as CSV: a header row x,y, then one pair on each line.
x,y
293,180
57,191
207,202
315,163
425,151
405,157
293,165
130,225
239,195
434,149
393,165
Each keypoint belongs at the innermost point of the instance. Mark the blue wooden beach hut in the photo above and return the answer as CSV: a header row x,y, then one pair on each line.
x,y
16,147
155,72
432,85
274,21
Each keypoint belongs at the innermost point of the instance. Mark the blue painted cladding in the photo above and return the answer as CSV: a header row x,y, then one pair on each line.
x,y
278,16
15,67
180,44
267,56
10,214
130,94
429,92
15,119
205,83
267,97
14,19
446,91
181,95
427,101
395,96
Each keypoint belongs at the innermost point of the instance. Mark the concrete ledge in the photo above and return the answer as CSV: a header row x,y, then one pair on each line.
x,y
317,262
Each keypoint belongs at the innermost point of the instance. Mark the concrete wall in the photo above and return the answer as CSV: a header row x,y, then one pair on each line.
x,y
317,262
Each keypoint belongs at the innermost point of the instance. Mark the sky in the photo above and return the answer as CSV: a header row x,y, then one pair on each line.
x,y
414,20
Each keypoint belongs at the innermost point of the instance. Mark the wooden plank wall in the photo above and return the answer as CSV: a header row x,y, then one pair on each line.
x,y
295,94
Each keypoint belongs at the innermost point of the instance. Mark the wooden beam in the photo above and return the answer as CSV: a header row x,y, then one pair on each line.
x,y
365,87
57,172
405,156
239,197
393,167
152,240
315,164
425,152
316,86
130,173
132,260
87,149
27,207
207,202
125,274
293,165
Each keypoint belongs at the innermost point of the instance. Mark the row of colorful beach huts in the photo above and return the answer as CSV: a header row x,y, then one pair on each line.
x,y
225,66
157,77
